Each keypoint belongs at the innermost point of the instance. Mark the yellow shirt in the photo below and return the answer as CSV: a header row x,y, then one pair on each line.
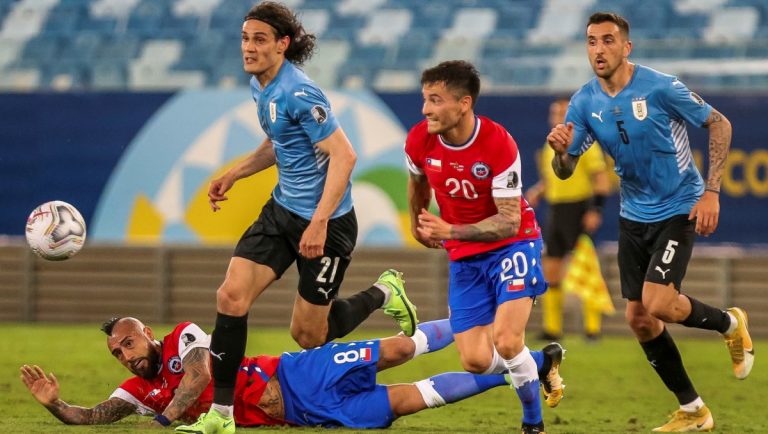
x,y
579,186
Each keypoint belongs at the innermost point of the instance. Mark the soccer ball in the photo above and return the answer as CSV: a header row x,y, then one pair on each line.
x,y
55,230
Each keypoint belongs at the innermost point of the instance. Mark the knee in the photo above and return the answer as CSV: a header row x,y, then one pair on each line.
x,y
230,301
642,325
474,364
661,311
308,338
509,344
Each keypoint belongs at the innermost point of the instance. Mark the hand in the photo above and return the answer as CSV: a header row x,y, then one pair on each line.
x,y
432,229
706,212
44,389
216,191
560,137
312,242
533,196
591,221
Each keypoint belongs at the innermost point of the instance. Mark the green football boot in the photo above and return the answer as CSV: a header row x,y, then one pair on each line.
x,y
398,306
212,422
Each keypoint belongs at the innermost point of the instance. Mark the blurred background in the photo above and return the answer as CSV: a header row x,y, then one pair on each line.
x,y
128,108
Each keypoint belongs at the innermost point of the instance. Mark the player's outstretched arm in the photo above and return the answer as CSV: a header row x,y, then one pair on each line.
x,y
262,158
197,375
45,389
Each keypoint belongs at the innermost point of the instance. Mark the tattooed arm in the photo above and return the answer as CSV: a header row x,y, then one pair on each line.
x,y
505,223
271,400
707,210
197,376
45,389
719,142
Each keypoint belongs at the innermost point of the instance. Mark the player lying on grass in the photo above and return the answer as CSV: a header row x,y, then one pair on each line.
x,y
331,385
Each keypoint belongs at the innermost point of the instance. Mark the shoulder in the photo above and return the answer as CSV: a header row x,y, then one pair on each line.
x,y
653,80
493,133
417,136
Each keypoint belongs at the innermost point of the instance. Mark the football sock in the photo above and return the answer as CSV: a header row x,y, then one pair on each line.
x,y
706,317
734,324
227,350
432,336
693,406
454,386
224,410
498,366
525,380
348,313
663,355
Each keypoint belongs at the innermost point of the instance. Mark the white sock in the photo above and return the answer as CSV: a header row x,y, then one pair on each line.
x,y
386,290
224,410
522,368
693,406
734,324
421,342
497,364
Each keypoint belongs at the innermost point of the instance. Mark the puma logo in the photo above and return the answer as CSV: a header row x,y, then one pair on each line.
x,y
599,116
325,292
218,356
300,93
663,272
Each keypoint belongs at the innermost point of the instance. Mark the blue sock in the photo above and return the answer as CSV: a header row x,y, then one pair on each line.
x,y
439,334
529,394
455,386
538,357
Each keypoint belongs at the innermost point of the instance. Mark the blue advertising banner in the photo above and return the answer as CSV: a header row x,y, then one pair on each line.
x,y
137,166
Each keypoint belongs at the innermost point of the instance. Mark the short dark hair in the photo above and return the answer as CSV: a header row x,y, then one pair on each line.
x,y
285,23
612,17
110,324
458,75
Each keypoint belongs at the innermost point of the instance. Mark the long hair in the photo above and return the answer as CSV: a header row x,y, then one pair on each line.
x,y
284,22
458,75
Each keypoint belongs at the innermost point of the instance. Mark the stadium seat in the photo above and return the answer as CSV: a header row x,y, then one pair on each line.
x,y
732,24
385,26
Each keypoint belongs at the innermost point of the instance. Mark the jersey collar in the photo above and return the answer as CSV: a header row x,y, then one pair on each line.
x,y
465,145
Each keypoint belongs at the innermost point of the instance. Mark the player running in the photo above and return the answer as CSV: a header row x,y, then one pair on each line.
x,y
638,116
486,226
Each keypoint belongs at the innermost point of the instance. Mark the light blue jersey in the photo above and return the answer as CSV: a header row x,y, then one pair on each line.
x,y
295,115
643,129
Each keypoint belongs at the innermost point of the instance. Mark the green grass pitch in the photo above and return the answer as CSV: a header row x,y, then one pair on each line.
x,y
610,387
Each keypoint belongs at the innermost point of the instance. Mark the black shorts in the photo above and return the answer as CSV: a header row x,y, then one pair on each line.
x,y
654,252
273,240
563,227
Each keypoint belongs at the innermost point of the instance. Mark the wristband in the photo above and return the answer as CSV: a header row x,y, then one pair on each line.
x,y
712,190
597,202
162,420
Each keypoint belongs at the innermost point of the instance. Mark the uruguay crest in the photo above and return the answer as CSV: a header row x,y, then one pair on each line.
x,y
639,108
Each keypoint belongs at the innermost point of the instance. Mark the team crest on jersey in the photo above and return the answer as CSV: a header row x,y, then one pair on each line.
x,y
481,170
696,98
639,108
272,111
174,365
319,113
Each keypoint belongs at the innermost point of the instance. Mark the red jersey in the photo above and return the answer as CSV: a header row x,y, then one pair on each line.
x,y
467,177
152,396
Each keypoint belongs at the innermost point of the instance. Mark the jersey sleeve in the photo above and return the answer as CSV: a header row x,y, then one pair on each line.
x,y
191,336
582,136
412,159
309,107
507,182
684,104
130,391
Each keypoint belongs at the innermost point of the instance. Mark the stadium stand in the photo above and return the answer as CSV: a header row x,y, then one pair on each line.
x,y
518,44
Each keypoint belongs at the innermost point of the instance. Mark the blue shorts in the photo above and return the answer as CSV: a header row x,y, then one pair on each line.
x,y
334,385
479,284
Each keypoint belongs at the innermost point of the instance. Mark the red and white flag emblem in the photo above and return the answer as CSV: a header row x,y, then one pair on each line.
x,y
516,285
